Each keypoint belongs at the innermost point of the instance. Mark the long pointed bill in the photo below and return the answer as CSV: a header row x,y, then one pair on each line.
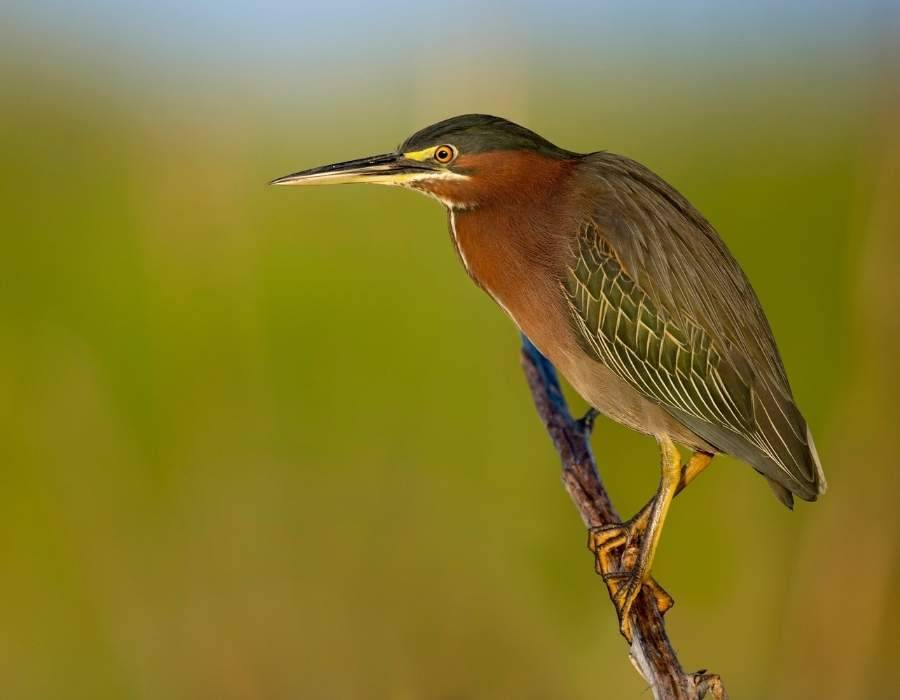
x,y
387,169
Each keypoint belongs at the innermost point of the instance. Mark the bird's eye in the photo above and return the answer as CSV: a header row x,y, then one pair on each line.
x,y
444,154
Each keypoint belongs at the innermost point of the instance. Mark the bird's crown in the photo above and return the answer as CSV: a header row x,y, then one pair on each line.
x,y
478,133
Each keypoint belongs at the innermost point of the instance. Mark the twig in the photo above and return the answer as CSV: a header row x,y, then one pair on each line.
x,y
651,651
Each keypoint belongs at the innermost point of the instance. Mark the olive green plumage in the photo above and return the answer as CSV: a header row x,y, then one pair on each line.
x,y
657,298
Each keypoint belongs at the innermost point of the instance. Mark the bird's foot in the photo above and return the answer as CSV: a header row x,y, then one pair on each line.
x,y
606,540
617,551
586,422
624,588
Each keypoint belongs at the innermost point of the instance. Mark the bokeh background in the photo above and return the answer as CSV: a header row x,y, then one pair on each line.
x,y
264,443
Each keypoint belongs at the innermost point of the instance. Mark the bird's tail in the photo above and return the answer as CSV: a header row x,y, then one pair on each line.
x,y
785,441
821,481
784,494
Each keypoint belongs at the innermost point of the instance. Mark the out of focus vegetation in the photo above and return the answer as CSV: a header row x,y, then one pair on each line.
x,y
270,443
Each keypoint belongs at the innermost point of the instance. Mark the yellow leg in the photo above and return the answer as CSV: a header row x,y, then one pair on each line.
x,y
605,539
625,583
690,471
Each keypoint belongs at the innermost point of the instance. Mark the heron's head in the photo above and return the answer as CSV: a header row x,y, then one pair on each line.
x,y
464,162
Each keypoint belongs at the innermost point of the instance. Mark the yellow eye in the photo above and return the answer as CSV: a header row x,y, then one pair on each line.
x,y
444,154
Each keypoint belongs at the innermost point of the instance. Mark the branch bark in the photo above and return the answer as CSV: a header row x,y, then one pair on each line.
x,y
651,651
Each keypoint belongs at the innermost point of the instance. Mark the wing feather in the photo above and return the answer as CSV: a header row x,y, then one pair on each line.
x,y
657,297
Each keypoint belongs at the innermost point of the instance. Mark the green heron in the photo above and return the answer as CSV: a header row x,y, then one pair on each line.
x,y
629,291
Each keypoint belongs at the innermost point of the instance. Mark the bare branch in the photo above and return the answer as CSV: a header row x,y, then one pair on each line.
x,y
651,651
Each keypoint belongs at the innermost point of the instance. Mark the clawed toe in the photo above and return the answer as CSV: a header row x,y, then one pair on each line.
x,y
605,540
623,590
617,554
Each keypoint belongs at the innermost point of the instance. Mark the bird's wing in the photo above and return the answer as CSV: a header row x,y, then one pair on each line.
x,y
657,298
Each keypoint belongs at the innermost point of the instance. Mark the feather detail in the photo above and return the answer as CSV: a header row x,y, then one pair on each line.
x,y
656,296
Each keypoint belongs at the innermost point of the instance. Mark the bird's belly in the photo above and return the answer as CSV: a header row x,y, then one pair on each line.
x,y
618,400
612,396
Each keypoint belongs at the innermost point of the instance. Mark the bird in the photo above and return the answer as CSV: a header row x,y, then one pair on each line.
x,y
629,291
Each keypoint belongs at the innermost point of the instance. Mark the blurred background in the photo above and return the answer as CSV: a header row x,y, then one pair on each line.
x,y
268,443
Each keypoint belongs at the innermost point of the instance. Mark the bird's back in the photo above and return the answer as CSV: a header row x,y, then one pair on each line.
x,y
657,297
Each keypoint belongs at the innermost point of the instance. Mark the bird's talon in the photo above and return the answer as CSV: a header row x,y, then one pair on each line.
x,y
615,575
586,422
619,591
603,542
623,598
602,537
664,601
605,538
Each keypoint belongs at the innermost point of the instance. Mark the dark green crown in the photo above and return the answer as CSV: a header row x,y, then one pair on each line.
x,y
477,133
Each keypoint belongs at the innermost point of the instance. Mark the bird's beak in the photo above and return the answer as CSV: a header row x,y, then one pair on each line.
x,y
387,169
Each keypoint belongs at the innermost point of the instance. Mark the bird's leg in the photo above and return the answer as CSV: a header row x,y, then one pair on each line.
x,y
625,580
690,471
603,540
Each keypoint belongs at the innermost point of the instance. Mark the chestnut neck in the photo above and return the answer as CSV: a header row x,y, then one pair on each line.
x,y
511,234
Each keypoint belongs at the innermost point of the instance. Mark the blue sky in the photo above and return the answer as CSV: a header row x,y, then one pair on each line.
x,y
292,53
260,31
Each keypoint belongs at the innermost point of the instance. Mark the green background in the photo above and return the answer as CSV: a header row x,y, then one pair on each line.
x,y
272,443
